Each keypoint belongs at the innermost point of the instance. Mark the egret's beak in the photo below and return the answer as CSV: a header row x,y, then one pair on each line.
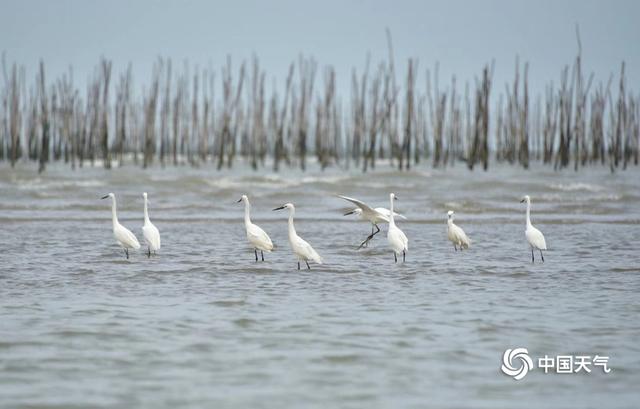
x,y
395,197
105,197
279,208
348,213
522,201
239,200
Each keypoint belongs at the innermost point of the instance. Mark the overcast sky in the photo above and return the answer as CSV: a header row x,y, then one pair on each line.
x,y
461,35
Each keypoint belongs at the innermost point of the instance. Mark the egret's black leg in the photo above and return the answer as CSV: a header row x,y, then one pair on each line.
x,y
403,255
308,268
262,255
298,265
256,253
149,252
126,251
532,259
395,258
541,256
366,241
454,247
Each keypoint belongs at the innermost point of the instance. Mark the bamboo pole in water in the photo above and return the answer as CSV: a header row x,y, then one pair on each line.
x,y
104,120
570,123
44,120
409,117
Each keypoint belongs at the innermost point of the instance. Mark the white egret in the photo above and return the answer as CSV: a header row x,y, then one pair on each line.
x,y
301,248
456,235
533,235
258,238
149,231
374,216
124,237
397,239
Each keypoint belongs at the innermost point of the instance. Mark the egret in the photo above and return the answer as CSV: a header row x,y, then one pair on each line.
x,y
375,216
456,235
301,248
533,235
124,237
149,231
397,239
258,238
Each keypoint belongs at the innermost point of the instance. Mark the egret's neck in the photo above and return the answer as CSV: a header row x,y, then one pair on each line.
x,y
114,216
450,221
146,211
528,214
247,211
392,221
292,229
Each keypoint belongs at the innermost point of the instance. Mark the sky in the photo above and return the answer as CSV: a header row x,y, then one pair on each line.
x,y
461,35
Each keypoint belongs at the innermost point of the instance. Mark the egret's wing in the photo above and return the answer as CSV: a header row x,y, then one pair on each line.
x,y
127,238
365,207
387,213
308,251
383,214
151,235
462,236
536,238
256,235
405,240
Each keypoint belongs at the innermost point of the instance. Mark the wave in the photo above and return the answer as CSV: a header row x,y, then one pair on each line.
x,y
576,186
39,184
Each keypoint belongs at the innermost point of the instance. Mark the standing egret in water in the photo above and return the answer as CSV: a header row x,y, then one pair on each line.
x,y
456,235
149,231
397,239
301,248
124,237
256,236
533,235
375,216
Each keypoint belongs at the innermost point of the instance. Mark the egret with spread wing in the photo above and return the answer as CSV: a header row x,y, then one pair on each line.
x,y
374,216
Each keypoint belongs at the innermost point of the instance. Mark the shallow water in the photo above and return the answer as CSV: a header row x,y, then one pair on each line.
x,y
203,325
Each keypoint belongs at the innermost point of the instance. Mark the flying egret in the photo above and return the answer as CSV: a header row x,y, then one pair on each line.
x,y
149,231
124,237
258,238
456,235
533,235
366,212
397,239
301,248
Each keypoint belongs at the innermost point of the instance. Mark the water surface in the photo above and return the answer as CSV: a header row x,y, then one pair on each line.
x,y
203,325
